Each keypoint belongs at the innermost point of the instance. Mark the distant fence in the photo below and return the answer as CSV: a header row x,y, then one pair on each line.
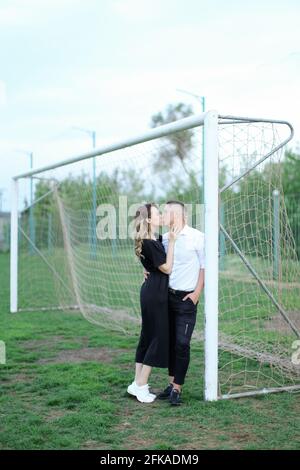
x,y
4,231
292,203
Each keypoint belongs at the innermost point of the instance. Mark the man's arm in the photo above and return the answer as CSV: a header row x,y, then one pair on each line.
x,y
194,296
199,247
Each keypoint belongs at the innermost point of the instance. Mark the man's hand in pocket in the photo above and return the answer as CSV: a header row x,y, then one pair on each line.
x,y
193,296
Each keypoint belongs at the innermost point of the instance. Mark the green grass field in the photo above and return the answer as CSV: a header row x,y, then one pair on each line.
x,y
64,387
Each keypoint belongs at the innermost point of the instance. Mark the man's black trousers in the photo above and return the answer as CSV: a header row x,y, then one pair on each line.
x,y
182,320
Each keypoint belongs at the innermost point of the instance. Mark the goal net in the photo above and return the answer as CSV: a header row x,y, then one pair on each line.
x,y
75,248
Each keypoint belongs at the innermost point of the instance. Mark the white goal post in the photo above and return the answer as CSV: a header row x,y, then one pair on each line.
x,y
224,148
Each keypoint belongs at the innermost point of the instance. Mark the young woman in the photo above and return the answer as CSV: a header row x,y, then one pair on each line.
x,y
153,346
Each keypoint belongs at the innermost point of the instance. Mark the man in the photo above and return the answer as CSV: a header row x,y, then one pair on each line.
x,y
186,282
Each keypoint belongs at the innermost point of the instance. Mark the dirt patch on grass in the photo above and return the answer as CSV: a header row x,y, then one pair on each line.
x,y
36,344
18,378
219,438
76,355
277,323
243,434
83,355
94,445
140,443
56,414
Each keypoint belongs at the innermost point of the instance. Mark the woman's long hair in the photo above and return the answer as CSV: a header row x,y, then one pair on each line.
x,y
142,227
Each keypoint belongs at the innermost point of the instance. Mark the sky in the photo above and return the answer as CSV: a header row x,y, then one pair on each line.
x,y
109,65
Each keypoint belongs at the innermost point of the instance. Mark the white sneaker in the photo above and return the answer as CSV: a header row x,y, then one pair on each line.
x,y
132,390
143,395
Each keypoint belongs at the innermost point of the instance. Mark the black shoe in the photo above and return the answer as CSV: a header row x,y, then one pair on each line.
x,y
166,393
175,399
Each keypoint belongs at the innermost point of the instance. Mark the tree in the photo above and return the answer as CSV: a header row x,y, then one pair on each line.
x,y
177,145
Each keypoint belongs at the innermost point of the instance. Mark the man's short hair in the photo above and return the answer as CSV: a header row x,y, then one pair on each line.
x,y
177,203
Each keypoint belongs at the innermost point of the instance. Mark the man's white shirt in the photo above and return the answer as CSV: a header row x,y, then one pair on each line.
x,y
188,258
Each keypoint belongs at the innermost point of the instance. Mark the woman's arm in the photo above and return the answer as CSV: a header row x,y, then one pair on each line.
x,y
168,265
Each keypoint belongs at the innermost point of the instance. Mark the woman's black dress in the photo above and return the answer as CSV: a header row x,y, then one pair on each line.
x,y
153,347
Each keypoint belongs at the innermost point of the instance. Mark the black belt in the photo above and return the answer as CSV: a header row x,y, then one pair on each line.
x,y
180,292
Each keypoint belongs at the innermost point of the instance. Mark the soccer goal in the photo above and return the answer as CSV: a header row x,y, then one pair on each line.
x,y
71,248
